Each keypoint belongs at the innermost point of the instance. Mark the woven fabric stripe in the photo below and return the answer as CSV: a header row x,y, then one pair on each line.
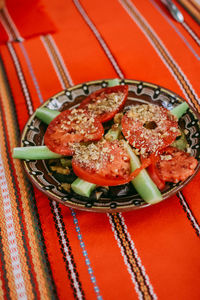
x,y
164,54
99,38
23,49
10,133
191,32
31,229
4,291
67,253
139,277
26,255
85,254
189,213
10,230
9,26
57,61
4,276
175,28
21,78
5,26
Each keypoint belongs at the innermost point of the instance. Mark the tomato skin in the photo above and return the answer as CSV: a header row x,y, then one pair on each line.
x,y
175,165
96,178
103,163
93,98
153,173
69,127
110,173
149,139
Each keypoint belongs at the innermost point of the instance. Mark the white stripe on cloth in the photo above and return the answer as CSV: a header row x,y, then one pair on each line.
x,y
133,276
11,236
21,78
62,82
13,26
99,38
126,4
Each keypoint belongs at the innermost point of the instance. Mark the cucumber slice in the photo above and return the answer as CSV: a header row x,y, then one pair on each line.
x,y
180,109
113,134
46,115
143,184
82,187
34,152
113,82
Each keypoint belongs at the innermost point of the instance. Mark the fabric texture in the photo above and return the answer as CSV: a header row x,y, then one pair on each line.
x,y
24,19
193,8
49,251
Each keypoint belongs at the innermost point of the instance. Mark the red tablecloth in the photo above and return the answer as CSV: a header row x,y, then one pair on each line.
x,y
49,251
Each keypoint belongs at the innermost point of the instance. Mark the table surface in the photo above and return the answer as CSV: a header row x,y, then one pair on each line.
x,y
47,250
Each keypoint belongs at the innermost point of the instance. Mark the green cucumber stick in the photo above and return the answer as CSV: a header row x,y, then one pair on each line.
x,y
34,152
143,184
82,187
113,82
180,109
46,115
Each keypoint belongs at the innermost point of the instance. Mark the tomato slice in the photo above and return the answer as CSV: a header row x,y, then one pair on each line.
x,y
175,165
149,128
106,102
104,163
153,173
70,127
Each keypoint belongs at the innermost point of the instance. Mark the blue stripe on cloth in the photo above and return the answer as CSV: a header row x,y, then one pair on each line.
x,y
85,254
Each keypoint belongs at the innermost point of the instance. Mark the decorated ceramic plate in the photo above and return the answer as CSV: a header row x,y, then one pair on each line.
x,y
116,198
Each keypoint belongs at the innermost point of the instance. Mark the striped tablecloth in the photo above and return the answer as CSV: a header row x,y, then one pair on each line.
x,y
49,251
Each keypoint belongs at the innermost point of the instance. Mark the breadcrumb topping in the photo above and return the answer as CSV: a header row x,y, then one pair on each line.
x,y
82,122
152,126
105,103
108,156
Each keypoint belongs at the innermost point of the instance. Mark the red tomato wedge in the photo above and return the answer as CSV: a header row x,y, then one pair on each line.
x,y
106,102
153,173
70,127
104,163
175,165
149,128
